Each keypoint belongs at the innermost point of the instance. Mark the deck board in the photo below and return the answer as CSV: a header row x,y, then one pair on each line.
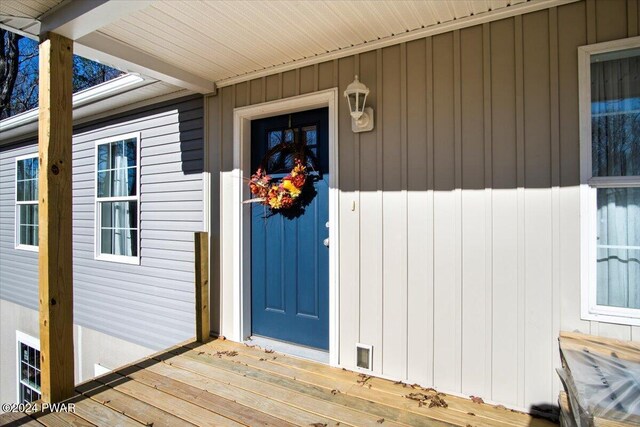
x,y
11,419
174,381
206,374
134,408
360,394
381,411
627,350
99,414
228,384
61,419
181,408
229,391
339,376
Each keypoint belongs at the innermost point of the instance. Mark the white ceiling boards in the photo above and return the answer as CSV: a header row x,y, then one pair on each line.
x,y
200,42
219,40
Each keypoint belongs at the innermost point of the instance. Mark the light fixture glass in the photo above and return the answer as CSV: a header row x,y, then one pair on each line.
x,y
361,116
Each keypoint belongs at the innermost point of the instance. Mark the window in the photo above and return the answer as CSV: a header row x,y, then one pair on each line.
x,y
610,177
27,202
117,200
28,368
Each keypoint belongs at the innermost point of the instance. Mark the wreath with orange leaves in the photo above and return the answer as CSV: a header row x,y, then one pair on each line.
x,y
292,192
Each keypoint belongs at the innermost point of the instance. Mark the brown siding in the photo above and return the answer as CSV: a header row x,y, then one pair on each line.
x,y
460,262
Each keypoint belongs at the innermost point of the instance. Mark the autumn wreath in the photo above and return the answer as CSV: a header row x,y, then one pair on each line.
x,y
293,190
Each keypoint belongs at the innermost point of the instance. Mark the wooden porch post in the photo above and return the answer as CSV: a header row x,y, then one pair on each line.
x,y
201,240
55,257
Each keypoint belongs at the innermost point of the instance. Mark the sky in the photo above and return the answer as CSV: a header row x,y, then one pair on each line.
x,y
25,93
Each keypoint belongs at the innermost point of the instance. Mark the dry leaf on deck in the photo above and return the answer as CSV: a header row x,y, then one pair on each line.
x,y
363,379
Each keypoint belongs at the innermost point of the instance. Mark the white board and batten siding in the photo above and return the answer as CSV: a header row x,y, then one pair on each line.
x,y
459,213
151,304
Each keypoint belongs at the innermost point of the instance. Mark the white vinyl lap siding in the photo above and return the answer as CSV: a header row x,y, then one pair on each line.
x,y
151,304
18,268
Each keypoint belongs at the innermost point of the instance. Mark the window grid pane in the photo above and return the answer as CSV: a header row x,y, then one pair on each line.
x,y
28,214
119,241
27,201
27,179
618,247
29,381
27,190
615,136
28,224
117,182
119,214
27,169
117,169
117,155
615,114
28,235
117,178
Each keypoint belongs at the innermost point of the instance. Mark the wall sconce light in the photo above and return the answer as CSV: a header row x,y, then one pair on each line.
x,y
361,116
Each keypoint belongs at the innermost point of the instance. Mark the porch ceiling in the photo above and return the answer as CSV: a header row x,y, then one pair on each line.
x,y
28,9
219,40
22,16
195,43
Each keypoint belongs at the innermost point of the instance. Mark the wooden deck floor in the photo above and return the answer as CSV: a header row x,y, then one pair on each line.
x,y
227,384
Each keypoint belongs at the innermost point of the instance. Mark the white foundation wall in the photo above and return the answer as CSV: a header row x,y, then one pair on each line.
x,y
91,348
13,317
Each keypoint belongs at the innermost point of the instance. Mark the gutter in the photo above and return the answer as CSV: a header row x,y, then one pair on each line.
x,y
27,121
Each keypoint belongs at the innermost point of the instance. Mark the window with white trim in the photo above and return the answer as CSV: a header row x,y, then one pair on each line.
x,y
27,202
610,153
117,198
28,368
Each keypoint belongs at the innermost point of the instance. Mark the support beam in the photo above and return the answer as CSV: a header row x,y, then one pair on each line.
x,y
201,240
79,18
107,50
80,21
55,254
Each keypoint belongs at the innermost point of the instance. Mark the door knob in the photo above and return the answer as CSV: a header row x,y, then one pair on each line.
x,y
326,242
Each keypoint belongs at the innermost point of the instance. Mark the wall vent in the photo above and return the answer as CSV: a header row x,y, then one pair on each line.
x,y
364,356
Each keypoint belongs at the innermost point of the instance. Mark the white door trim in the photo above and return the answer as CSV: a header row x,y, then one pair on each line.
x,y
241,218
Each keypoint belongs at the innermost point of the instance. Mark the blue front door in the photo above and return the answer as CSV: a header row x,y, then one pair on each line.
x,y
289,255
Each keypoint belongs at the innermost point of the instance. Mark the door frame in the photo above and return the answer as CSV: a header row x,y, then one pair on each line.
x,y
241,217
